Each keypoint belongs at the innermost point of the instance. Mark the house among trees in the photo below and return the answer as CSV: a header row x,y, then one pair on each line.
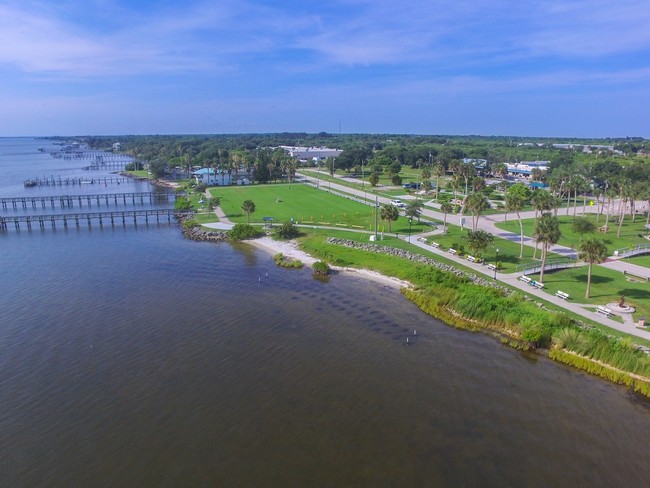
x,y
212,177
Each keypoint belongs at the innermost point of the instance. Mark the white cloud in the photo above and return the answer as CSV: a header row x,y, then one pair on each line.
x,y
588,28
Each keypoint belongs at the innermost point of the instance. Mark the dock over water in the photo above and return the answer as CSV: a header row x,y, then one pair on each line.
x,y
69,201
90,217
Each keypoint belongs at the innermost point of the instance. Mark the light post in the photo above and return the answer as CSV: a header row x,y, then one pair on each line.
x,y
363,183
410,220
496,264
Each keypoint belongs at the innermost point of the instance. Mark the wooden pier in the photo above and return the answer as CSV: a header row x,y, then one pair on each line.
x,y
99,180
118,164
100,217
69,201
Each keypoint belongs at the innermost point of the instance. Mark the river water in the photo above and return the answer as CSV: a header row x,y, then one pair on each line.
x,y
132,357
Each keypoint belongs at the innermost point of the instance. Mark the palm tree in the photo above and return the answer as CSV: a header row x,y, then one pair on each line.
x,y
389,213
425,176
592,251
413,209
248,207
499,170
476,203
547,231
438,171
516,197
467,171
582,226
478,241
446,208
624,195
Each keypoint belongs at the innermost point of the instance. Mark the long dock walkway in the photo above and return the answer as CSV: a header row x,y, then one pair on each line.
x,y
89,217
76,181
69,201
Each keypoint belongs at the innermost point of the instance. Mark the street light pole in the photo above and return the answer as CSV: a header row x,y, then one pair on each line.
x,y
410,220
496,265
363,183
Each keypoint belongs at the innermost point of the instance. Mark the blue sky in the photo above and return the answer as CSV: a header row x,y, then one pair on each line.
x,y
536,67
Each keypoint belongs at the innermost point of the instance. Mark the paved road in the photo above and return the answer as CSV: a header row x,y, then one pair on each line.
x,y
487,223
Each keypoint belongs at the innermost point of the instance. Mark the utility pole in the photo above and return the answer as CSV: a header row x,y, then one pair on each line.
x,y
376,206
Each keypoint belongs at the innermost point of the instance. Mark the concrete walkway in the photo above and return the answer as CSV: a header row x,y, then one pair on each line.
x,y
224,223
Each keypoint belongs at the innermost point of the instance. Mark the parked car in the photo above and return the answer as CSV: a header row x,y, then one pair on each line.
x,y
398,203
411,186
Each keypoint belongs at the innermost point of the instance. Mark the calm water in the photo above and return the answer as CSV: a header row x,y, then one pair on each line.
x,y
131,357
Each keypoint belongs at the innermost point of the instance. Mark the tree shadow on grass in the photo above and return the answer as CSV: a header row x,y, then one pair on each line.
x,y
635,294
595,280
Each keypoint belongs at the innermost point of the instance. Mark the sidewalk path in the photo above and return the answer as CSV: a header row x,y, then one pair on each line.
x,y
626,267
224,223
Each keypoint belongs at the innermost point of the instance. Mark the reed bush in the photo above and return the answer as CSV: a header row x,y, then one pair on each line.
x,y
286,262
603,370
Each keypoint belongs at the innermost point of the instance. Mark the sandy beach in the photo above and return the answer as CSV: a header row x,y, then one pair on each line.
x,y
290,249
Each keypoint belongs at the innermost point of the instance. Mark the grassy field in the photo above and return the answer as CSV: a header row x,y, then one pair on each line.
x,y
607,285
643,260
307,206
629,231
508,250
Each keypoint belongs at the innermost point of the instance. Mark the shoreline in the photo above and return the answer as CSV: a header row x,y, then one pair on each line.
x,y
290,250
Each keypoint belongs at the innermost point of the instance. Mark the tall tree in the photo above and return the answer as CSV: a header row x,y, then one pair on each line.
x,y
582,226
248,207
446,208
438,170
476,203
547,232
478,241
499,170
592,251
516,197
413,209
389,213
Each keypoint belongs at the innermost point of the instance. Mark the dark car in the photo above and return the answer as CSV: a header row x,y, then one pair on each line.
x,y
411,186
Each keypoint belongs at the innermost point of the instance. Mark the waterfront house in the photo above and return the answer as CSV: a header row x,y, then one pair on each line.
x,y
211,177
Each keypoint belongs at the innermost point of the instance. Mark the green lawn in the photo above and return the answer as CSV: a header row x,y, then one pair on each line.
x,y
607,285
313,243
508,250
643,260
307,206
629,231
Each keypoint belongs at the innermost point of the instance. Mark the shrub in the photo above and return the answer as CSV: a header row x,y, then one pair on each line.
x,y
285,262
288,230
241,232
321,268
182,203
214,202
190,224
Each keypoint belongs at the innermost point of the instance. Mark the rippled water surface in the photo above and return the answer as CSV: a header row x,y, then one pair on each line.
x,y
131,357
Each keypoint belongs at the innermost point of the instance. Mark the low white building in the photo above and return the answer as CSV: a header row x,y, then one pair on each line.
x,y
305,154
525,168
